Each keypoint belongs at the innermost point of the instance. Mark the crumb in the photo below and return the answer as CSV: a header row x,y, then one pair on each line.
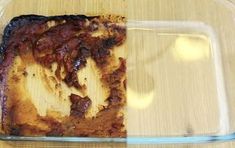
x,y
60,94
57,85
1,78
16,78
53,79
25,73
101,107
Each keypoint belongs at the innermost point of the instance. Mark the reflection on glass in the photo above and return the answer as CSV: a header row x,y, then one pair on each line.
x,y
191,48
140,88
139,100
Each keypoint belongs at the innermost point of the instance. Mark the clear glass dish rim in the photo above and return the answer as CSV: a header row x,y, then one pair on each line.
x,y
132,139
128,140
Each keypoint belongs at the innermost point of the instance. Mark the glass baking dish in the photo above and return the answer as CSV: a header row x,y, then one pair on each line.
x,y
180,66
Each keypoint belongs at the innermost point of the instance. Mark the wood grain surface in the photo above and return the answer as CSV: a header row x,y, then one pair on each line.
x,y
202,116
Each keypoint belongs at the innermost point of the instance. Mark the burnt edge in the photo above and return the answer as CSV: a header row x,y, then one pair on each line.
x,y
22,20
14,23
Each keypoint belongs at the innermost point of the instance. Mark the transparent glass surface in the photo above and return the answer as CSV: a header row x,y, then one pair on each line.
x,y
180,66
175,76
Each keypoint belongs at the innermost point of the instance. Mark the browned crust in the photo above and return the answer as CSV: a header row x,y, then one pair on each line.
x,y
32,39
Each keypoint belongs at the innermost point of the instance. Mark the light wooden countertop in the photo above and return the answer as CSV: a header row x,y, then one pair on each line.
x,y
133,9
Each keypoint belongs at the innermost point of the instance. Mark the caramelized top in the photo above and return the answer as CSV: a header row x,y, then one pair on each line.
x,y
67,41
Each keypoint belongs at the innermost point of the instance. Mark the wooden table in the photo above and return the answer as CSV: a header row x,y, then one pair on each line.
x,y
133,9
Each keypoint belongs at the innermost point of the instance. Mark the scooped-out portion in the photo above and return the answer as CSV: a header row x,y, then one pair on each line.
x,y
61,76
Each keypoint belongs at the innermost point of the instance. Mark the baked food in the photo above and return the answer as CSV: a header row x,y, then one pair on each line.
x,y
41,92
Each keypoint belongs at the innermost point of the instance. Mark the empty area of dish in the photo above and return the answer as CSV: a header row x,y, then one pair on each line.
x,y
173,78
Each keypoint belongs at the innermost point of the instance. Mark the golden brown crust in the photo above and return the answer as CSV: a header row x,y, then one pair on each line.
x,y
67,41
